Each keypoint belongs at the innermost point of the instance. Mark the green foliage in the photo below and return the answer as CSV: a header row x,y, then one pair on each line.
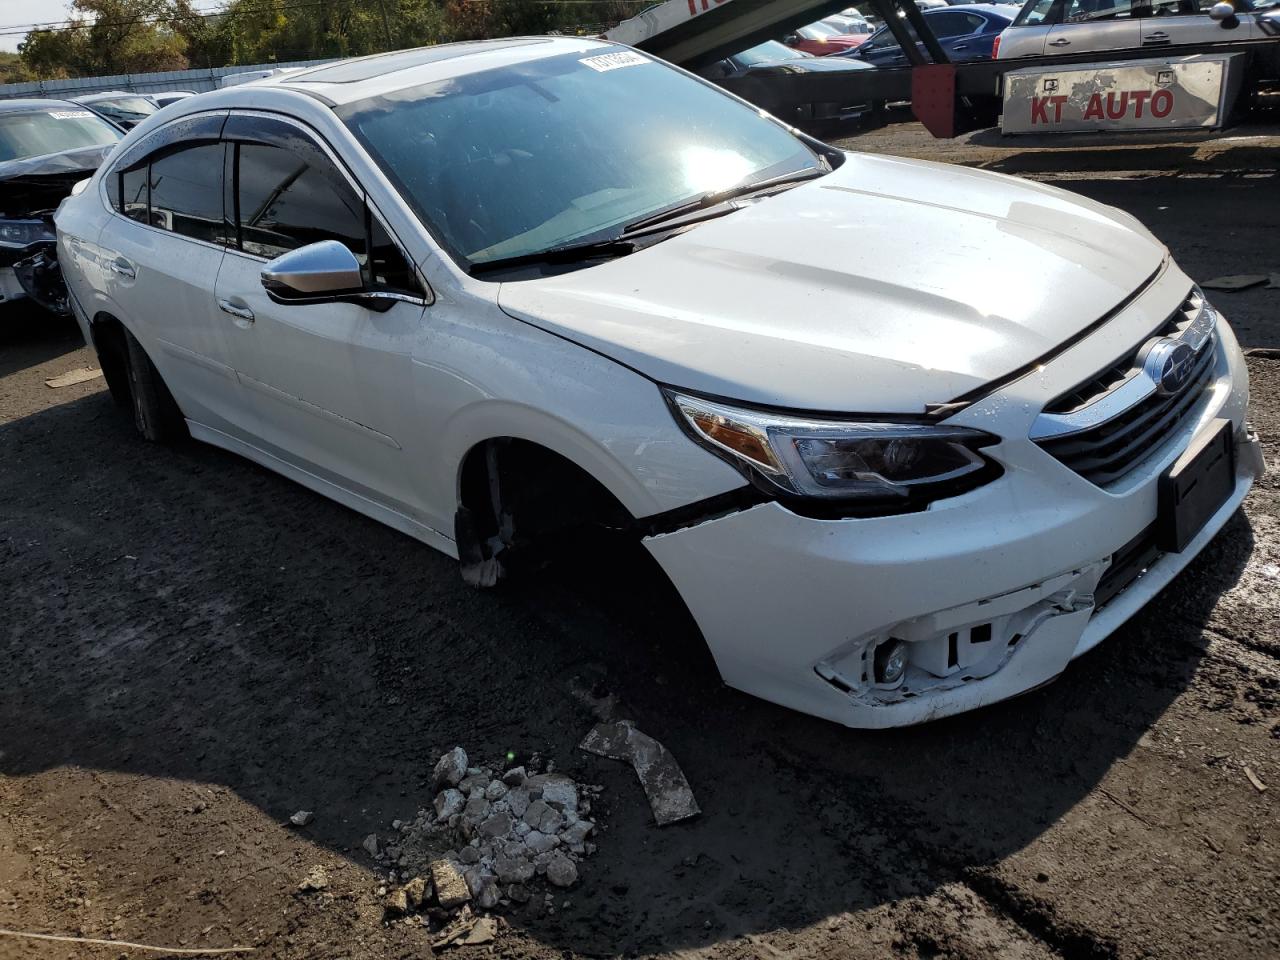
x,y
137,36
12,69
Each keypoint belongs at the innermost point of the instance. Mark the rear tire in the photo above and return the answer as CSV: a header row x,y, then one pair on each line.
x,y
155,412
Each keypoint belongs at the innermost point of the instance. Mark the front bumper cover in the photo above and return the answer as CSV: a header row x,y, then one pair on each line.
x,y
790,605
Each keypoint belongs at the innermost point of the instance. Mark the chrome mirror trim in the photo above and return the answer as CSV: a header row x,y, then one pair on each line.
x,y
326,267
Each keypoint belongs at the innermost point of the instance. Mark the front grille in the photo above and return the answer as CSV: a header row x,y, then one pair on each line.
x,y
1126,367
1104,450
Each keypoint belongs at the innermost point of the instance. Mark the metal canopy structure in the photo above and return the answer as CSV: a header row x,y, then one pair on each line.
x,y
948,98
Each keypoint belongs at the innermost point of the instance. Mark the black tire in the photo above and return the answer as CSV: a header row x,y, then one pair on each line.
x,y
113,358
155,412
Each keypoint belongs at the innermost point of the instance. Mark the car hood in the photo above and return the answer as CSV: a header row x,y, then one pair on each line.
x,y
884,286
836,64
34,186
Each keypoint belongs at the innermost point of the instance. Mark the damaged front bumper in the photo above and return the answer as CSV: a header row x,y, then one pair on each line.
x,y
34,272
993,592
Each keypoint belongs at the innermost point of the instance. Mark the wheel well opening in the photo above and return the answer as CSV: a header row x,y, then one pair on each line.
x,y
519,498
113,354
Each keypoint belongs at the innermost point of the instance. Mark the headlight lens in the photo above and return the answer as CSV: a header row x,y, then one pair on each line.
x,y
22,233
834,460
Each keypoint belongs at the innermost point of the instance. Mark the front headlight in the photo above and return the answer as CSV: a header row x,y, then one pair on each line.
x,y
23,233
838,460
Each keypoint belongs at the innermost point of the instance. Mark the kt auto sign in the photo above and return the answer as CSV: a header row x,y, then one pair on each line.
x,y
1161,94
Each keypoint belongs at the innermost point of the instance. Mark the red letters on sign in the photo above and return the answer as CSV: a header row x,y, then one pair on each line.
x,y
1140,98
1162,103
1094,110
1040,109
1117,110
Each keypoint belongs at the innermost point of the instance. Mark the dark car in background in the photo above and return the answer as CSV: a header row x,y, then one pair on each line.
x,y
966,32
775,59
126,109
46,148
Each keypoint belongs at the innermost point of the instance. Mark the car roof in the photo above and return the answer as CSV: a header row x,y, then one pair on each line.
x,y
106,95
999,9
33,103
349,80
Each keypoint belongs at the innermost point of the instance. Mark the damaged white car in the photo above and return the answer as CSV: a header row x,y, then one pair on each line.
x,y
906,438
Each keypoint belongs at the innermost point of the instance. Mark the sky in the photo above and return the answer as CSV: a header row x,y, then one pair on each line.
x,y
22,13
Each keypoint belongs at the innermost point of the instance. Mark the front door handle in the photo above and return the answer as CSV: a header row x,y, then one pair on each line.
x,y
236,310
1158,35
959,46
1059,43
123,268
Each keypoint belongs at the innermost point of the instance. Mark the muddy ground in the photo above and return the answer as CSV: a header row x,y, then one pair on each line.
x,y
193,649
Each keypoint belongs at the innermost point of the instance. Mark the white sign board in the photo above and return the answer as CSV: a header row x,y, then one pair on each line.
x,y
1163,94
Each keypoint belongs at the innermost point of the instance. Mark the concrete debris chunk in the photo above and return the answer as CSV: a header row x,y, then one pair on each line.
x,y
1254,779
514,777
302,818
316,880
450,769
670,796
72,377
448,803
415,892
513,869
517,801
561,871
396,903
496,825
1238,281
538,842
371,845
556,790
450,886
467,931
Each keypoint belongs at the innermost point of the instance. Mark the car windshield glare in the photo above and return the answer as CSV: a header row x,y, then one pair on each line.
x,y
568,149
35,133
770,50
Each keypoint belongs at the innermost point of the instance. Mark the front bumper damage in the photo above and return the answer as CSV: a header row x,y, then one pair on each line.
x,y
34,272
995,591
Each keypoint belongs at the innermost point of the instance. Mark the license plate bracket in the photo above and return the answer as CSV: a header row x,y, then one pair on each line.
x,y
1196,486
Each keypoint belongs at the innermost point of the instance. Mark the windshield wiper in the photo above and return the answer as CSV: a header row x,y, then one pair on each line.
x,y
720,196
571,253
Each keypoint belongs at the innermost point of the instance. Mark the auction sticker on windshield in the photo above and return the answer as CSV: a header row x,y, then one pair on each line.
x,y
69,114
612,61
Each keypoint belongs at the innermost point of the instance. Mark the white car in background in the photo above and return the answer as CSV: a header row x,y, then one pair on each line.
x,y
907,438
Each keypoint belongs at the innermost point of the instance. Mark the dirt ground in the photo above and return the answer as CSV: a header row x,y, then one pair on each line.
x,y
194,649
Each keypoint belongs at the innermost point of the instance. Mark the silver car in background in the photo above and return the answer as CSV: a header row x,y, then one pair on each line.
x,y
1049,27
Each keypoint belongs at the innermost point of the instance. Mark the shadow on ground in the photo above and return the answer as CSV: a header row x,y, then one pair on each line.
x,y
181,613
30,336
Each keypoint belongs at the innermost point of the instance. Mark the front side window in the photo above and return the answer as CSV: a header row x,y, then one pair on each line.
x,y
186,192
36,133
571,148
286,200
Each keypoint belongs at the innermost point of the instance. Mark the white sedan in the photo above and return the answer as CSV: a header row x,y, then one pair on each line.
x,y
907,438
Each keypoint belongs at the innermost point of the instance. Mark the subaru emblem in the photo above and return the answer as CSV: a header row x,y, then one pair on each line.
x,y
1169,363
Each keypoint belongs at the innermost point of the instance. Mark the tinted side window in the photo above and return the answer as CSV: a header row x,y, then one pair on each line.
x,y
286,200
186,192
1083,11
950,24
133,193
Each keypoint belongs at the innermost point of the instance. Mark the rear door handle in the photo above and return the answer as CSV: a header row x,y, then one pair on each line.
x,y
123,268
959,46
236,310
1158,35
1059,43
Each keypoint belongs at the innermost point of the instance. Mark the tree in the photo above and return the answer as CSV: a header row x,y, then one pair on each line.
x,y
107,37
12,69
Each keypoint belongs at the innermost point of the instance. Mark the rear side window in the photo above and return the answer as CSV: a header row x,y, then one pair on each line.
x,y
186,192
286,200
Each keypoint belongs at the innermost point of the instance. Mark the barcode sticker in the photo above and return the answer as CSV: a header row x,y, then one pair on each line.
x,y
612,61
69,114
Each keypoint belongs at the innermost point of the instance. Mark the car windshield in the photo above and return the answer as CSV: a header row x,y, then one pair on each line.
x,y
125,108
769,51
34,133
562,150
817,31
